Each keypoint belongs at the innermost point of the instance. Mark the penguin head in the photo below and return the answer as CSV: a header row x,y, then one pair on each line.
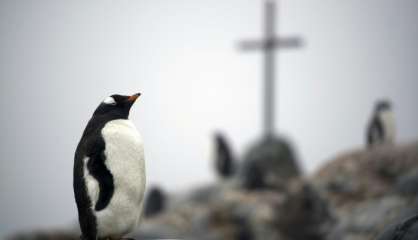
x,y
219,138
383,105
116,105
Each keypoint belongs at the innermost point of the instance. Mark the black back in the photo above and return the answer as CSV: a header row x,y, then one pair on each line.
x,y
375,131
224,162
92,146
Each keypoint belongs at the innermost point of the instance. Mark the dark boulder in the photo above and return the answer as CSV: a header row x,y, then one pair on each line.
x,y
408,185
405,230
269,164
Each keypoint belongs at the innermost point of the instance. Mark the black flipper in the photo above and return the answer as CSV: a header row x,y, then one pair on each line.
x,y
97,168
375,132
92,145
85,214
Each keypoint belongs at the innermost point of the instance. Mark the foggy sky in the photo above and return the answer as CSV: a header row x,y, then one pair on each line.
x,y
59,59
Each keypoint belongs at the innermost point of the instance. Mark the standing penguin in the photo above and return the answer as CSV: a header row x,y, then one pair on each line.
x,y
155,202
224,161
109,172
381,128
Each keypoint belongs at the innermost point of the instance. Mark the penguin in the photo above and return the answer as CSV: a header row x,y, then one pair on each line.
x,y
224,161
155,202
109,172
381,128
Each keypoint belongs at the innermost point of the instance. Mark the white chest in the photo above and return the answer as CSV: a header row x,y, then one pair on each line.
x,y
388,121
125,160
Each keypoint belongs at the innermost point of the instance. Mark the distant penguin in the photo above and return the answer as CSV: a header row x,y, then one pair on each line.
x,y
155,202
109,172
381,128
224,161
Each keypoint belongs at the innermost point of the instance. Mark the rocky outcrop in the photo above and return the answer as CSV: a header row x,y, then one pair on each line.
x,y
46,235
405,230
370,189
356,196
298,213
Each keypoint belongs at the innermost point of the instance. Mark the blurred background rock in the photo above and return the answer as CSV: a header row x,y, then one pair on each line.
x,y
357,195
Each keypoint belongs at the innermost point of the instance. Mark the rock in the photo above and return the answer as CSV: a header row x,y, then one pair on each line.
x,y
270,163
405,230
369,218
46,235
296,213
253,176
369,189
204,194
305,214
408,184
356,196
365,174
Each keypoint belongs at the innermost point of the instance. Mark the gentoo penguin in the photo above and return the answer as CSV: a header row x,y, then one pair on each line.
x,y
154,202
381,128
109,171
224,161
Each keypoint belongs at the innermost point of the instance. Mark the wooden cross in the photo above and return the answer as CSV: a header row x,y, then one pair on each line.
x,y
268,45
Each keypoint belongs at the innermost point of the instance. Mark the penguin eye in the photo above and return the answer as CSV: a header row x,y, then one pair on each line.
x,y
109,101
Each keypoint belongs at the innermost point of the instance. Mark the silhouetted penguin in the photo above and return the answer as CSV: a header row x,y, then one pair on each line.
x,y
224,161
155,202
381,128
109,171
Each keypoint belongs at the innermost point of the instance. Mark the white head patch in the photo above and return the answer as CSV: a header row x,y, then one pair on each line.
x,y
110,101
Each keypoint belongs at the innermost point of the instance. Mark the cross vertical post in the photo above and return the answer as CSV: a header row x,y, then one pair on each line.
x,y
269,69
268,45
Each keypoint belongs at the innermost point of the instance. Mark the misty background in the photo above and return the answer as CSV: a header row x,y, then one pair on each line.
x,y
59,59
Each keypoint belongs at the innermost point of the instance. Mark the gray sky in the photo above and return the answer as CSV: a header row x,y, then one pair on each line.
x,y
59,59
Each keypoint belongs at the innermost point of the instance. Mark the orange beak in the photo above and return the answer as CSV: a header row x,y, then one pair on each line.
x,y
134,97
